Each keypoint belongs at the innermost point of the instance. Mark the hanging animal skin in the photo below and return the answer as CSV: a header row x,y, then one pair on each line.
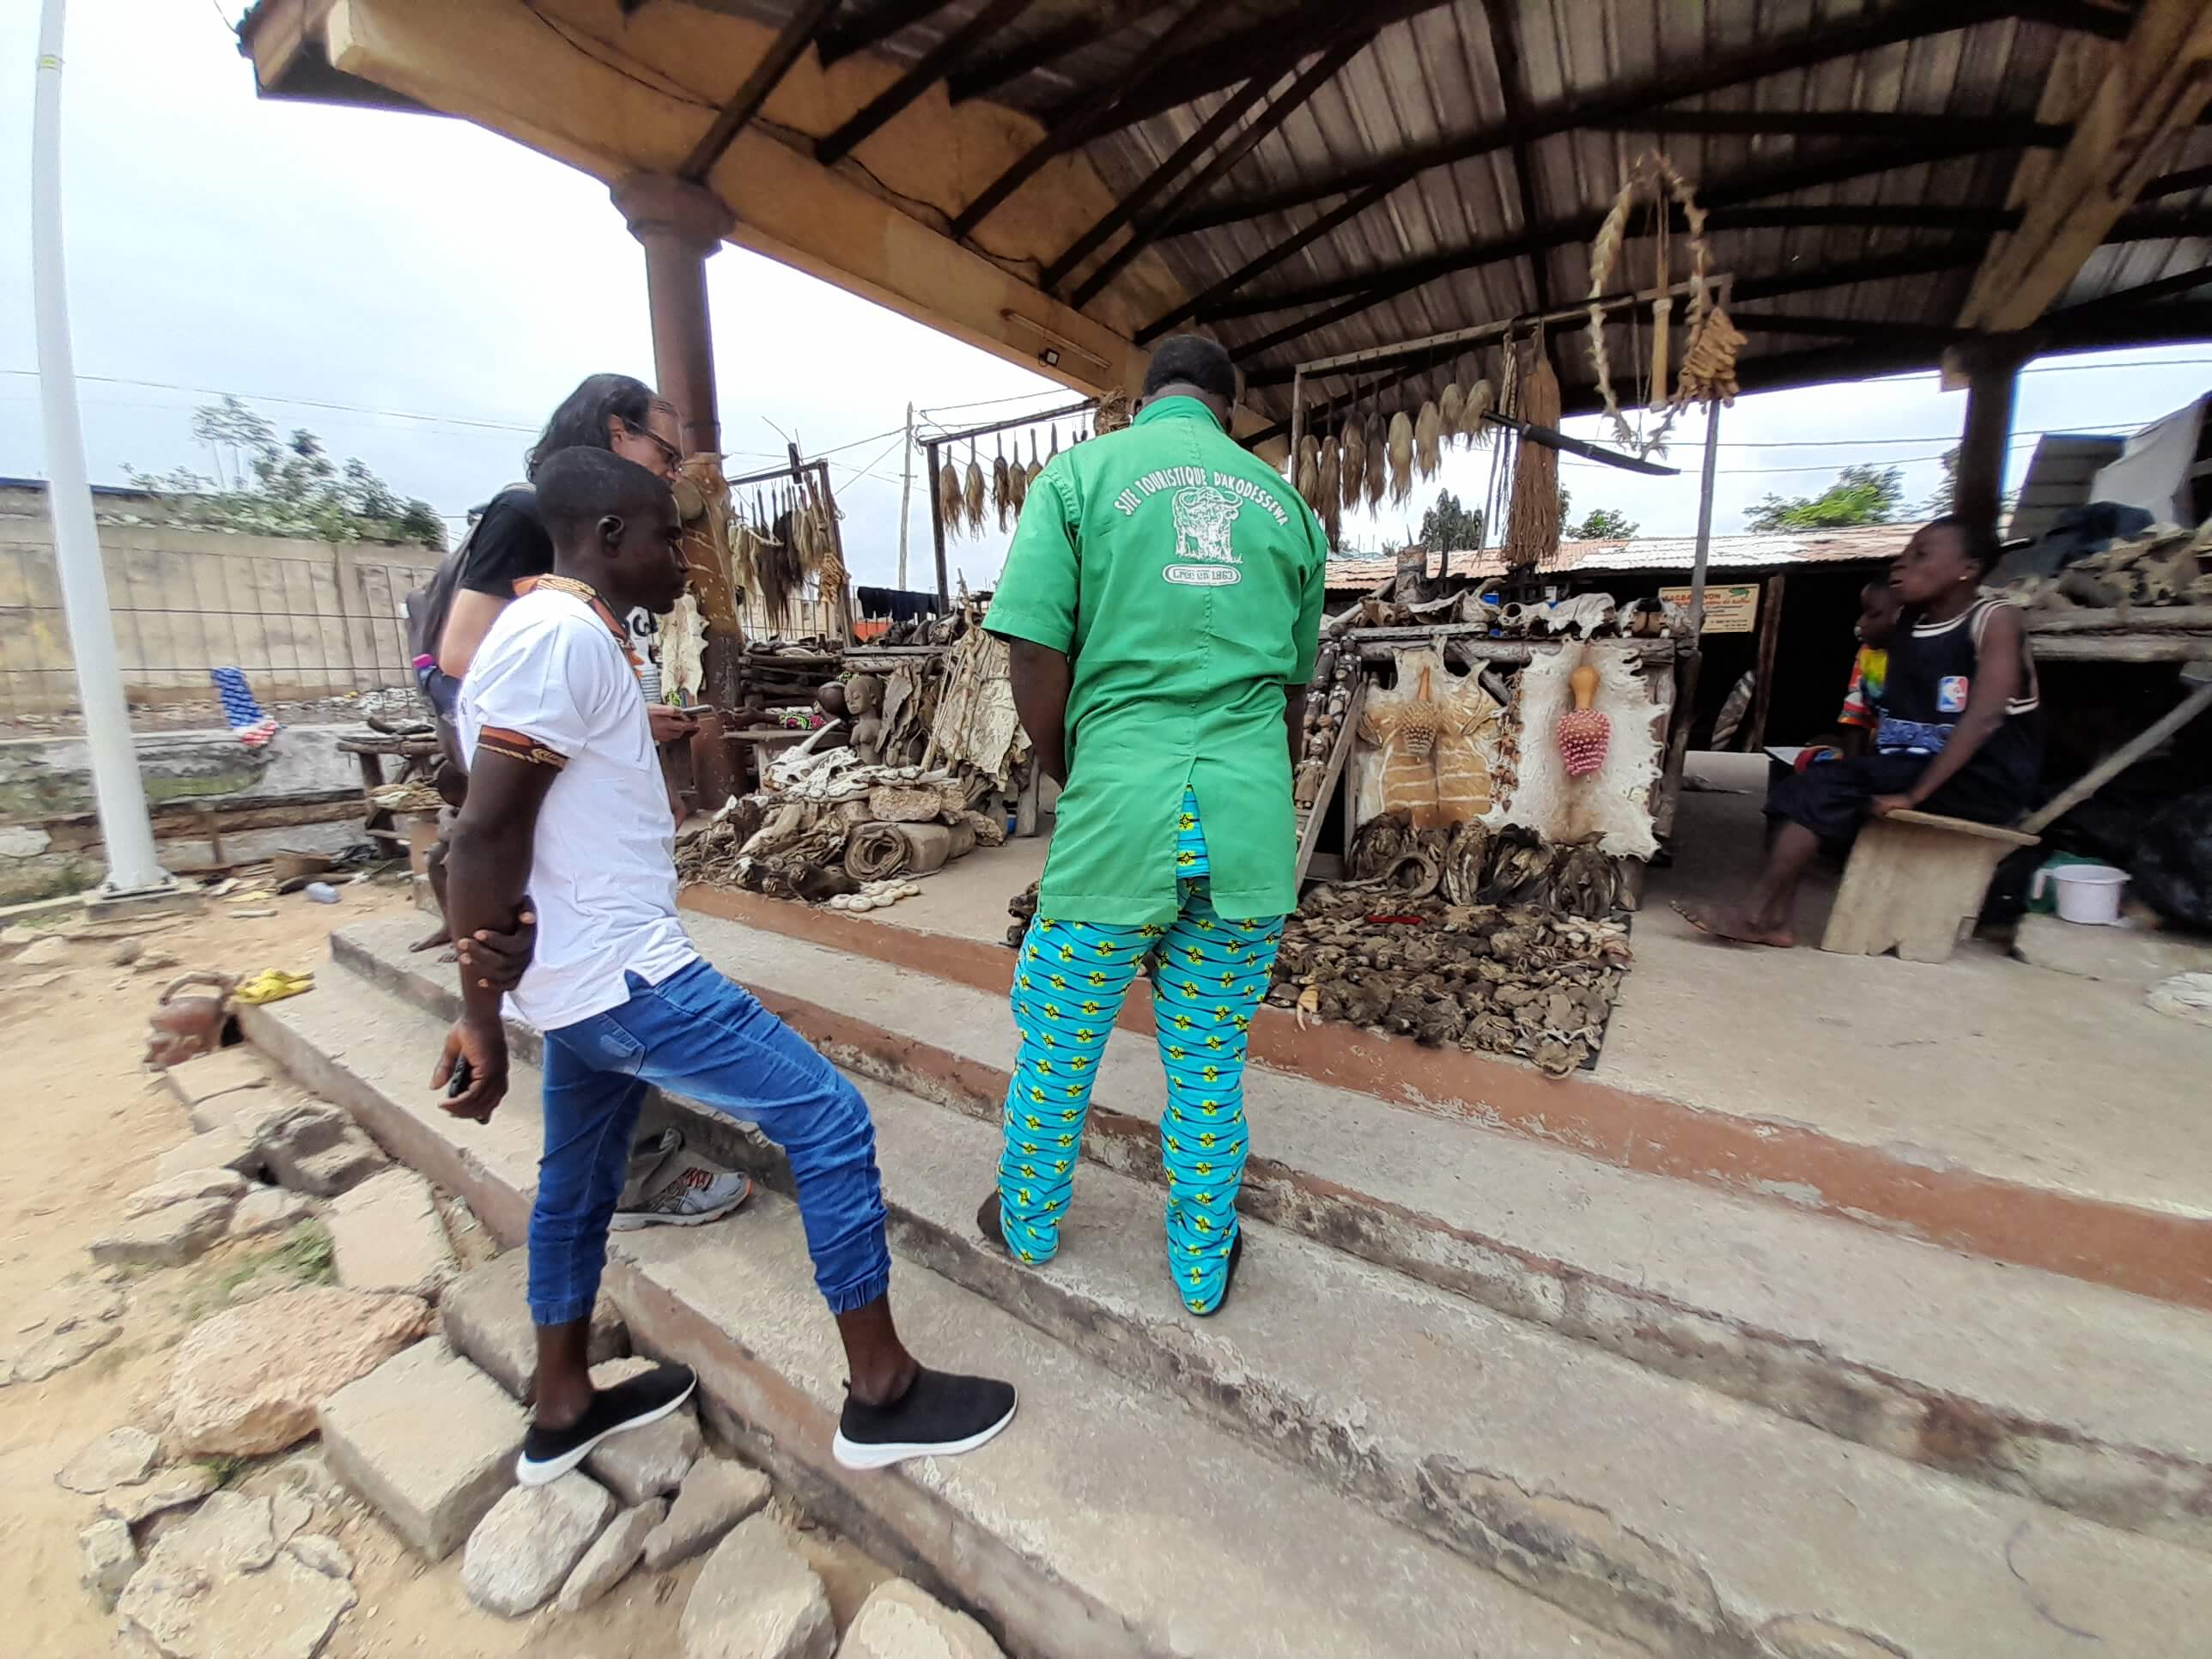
x,y
1439,734
1607,805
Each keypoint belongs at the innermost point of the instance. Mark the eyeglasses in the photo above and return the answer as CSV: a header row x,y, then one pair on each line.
x,y
669,452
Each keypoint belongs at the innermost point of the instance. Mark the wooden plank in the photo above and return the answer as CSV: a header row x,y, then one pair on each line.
x,y
2121,647
932,66
2023,837
2151,93
1769,638
1470,640
2161,619
1309,830
797,31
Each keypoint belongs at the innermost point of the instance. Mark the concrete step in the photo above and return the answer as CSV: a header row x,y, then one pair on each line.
x,y
2085,1398
1687,1524
1111,1520
2034,1208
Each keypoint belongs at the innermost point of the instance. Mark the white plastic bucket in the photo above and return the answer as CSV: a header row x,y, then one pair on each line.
x,y
2087,893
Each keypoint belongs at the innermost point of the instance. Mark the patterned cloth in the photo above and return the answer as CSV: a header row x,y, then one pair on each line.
x,y
249,722
1208,976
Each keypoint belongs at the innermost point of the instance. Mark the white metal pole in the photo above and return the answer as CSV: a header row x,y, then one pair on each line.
x,y
906,493
124,828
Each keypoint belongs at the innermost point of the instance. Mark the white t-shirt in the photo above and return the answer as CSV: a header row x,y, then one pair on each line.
x,y
603,871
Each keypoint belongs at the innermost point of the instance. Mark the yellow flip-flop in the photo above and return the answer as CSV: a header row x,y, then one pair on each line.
x,y
273,985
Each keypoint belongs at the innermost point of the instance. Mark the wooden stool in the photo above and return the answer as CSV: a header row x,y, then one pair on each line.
x,y
1914,884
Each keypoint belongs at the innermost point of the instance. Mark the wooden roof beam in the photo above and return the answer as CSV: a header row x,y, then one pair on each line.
x,y
987,75
2155,86
1068,133
797,34
871,26
1512,86
931,68
1221,63
2181,281
1989,131
1147,229
1847,37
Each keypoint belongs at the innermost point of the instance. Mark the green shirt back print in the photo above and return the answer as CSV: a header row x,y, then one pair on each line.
x,y
1182,578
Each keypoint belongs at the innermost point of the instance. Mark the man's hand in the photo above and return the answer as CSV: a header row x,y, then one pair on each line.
x,y
1883,805
669,724
478,1052
497,961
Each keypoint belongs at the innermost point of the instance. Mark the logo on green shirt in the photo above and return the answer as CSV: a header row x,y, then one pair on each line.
x,y
1204,519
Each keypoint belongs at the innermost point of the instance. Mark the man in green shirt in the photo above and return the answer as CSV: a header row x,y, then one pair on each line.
x,y
1162,600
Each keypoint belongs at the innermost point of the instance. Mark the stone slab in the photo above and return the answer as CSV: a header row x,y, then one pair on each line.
x,y
485,1314
901,1621
716,1495
212,1087
109,1558
428,1439
248,1381
526,1546
121,1457
166,1237
172,1489
386,1235
269,1210
215,1149
612,1554
217,1586
754,1599
212,1182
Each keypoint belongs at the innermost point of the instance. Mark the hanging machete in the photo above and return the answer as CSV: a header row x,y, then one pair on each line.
x,y
1559,441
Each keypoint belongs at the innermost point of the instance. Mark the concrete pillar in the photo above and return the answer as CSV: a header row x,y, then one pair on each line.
x,y
679,226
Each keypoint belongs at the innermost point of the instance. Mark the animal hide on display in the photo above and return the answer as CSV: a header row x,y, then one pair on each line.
x,y
1428,440
1611,806
1439,738
1402,459
1355,464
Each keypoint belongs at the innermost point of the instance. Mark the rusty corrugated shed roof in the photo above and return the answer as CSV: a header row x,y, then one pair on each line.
x,y
1754,551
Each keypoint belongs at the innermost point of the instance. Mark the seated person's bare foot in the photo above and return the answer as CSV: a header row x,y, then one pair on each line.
x,y
1732,922
432,940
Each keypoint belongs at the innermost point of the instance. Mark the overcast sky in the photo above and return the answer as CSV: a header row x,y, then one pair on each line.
x,y
421,294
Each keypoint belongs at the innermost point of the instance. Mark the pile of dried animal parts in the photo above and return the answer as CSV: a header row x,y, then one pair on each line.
x,y
1502,979
831,826
1467,864
2164,565
1329,704
923,630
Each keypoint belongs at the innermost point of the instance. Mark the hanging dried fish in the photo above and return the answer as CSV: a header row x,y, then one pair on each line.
x,y
1331,481
951,499
1056,442
1450,407
1355,464
1001,487
1017,482
1532,532
1307,481
1402,459
1036,465
975,492
1472,426
1428,440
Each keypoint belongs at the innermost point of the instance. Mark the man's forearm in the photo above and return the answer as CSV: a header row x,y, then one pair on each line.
x,y
487,872
1042,677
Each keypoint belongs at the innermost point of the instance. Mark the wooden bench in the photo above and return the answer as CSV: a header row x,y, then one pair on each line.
x,y
1915,884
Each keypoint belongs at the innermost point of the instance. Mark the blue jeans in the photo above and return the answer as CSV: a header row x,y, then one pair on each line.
x,y
698,1034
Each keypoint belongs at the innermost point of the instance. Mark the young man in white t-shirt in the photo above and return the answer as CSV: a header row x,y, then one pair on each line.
x,y
566,798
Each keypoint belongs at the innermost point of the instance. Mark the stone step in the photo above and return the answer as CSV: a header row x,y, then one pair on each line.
x,y
2086,1398
1646,1107
1110,1520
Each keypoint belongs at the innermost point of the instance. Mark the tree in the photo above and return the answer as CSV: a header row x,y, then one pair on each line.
x,y
1450,527
1604,524
267,488
1860,494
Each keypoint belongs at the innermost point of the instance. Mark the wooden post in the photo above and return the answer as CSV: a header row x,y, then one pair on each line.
x,y
1979,484
1685,708
937,536
1770,635
680,226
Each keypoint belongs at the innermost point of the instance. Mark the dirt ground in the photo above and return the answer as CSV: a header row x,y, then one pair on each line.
x,y
84,1124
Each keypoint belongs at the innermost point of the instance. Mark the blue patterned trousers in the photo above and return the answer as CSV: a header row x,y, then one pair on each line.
x,y
1208,976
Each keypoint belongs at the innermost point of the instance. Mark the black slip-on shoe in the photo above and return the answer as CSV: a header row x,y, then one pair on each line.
x,y
941,1415
992,1224
548,1453
1228,1279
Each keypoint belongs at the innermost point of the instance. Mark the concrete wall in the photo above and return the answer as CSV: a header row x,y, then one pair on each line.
x,y
303,618
296,791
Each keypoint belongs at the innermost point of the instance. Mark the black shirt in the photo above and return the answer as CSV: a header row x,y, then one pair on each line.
x,y
507,542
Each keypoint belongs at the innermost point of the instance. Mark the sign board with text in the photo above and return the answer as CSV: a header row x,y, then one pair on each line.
x,y
1730,608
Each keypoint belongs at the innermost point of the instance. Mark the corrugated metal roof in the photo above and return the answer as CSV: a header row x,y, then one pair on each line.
x,y
1433,77
1757,550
